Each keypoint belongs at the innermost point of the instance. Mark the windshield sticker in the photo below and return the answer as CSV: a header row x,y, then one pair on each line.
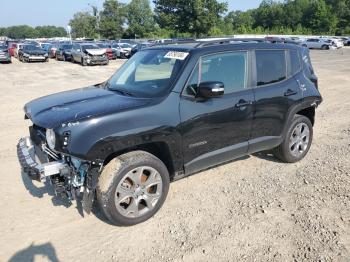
x,y
176,55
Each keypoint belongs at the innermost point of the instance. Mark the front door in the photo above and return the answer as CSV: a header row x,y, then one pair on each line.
x,y
217,130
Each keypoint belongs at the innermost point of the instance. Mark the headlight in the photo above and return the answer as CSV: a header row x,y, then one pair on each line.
x,y
50,138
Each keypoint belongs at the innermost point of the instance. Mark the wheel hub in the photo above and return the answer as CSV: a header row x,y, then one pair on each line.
x,y
138,191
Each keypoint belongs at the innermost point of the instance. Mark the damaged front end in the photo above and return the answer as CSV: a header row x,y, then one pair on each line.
x,y
69,175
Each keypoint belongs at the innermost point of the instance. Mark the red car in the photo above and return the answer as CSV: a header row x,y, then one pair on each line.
x,y
109,51
11,48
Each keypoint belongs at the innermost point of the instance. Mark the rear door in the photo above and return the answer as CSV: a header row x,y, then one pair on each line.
x,y
276,92
217,130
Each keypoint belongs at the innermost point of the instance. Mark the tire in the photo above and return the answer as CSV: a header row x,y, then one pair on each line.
x,y
117,172
20,58
64,58
83,62
324,47
285,152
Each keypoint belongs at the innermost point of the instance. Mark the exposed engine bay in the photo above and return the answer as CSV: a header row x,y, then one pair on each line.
x,y
69,175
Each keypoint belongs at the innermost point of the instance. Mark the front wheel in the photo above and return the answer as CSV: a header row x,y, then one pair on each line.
x,y
297,141
132,188
83,62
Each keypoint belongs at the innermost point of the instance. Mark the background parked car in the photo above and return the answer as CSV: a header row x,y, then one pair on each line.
x,y
64,52
317,43
111,54
32,53
123,49
4,54
89,54
139,47
52,50
11,47
46,46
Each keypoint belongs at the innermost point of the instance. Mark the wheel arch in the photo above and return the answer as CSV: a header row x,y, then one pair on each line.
x,y
159,149
303,109
308,112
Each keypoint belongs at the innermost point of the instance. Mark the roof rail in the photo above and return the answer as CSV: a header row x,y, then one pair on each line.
x,y
229,41
177,42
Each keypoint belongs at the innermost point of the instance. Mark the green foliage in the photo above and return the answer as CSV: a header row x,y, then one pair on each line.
x,y
199,18
196,17
84,25
50,31
112,19
140,19
25,31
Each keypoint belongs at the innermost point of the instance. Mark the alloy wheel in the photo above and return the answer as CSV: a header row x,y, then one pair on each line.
x,y
138,192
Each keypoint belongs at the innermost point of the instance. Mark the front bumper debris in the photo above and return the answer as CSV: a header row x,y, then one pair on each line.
x,y
31,164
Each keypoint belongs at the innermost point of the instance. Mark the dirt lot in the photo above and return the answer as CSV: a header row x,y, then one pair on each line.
x,y
253,209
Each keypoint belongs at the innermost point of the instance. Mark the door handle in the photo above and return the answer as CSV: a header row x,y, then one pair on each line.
x,y
290,92
243,103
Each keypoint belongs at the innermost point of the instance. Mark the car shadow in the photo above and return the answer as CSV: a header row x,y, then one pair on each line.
x,y
46,250
96,211
267,155
46,189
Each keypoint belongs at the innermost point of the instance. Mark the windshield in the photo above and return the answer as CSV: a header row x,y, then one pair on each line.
x,y
84,47
66,47
3,47
31,47
125,45
148,73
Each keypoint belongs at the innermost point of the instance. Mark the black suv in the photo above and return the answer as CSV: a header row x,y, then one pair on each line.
x,y
168,112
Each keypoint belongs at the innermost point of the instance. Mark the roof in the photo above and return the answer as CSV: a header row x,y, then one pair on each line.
x,y
223,45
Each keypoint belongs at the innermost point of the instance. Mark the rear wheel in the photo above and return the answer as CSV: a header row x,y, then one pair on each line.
x,y
297,141
132,188
324,47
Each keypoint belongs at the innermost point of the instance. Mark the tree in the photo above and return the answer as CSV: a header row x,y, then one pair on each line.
x,y
112,19
50,31
21,32
322,19
139,19
241,22
196,17
84,24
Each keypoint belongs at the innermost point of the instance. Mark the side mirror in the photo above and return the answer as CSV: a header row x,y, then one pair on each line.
x,y
210,89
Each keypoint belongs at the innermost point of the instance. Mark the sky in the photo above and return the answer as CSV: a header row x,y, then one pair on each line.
x,y
58,13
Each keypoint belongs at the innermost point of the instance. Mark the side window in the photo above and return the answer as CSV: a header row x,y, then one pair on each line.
x,y
270,66
229,68
294,63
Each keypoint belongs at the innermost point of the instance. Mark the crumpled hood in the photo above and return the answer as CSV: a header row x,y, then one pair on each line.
x,y
71,106
96,51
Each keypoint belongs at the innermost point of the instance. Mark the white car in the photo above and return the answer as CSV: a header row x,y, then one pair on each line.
x,y
123,49
339,43
318,43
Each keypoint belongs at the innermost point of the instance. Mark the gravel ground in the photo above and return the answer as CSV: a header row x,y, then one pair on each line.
x,y
252,209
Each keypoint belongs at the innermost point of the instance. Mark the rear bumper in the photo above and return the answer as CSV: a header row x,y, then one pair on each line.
x,y
30,163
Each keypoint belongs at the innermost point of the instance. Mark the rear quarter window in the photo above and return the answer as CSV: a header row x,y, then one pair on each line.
x,y
294,64
270,66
